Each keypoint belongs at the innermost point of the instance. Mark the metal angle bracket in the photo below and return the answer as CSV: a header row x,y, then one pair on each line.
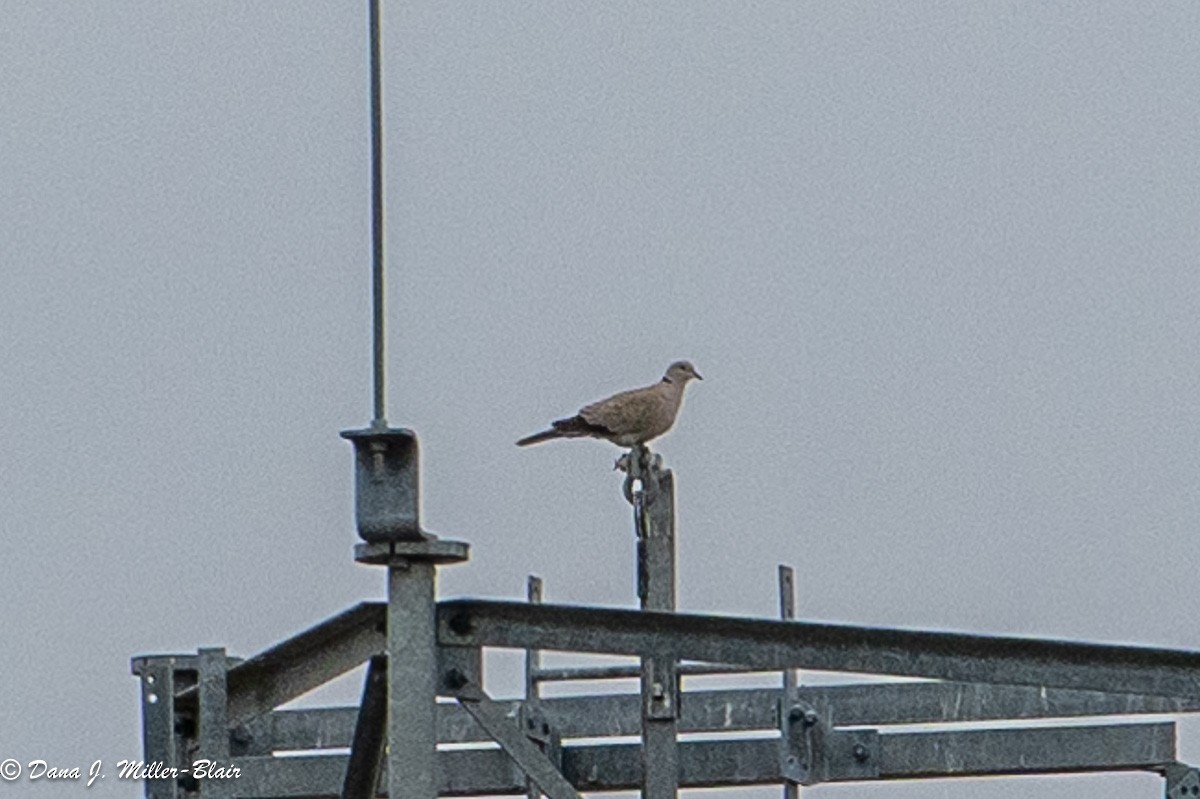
x,y
812,752
800,742
536,726
541,732
1182,781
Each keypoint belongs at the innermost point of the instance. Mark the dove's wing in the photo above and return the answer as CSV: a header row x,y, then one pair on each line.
x,y
638,412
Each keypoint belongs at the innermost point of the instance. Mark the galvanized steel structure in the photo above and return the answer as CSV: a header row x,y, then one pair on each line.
x,y
210,708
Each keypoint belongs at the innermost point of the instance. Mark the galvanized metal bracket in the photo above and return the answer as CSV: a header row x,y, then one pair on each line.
x,y
812,752
802,737
535,724
387,492
1182,781
540,731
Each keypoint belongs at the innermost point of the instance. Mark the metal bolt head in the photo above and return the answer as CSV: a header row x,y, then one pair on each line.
x,y
810,718
455,679
861,753
460,624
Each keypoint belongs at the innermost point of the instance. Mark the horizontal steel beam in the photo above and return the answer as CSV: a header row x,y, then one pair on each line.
x,y
739,710
1133,674
826,647
1038,750
882,704
631,670
730,763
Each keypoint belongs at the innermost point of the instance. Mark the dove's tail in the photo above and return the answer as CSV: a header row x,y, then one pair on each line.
x,y
575,427
538,438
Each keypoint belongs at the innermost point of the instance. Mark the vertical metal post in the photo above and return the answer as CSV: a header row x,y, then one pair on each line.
x,y
162,728
533,662
791,679
412,680
212,665
654,520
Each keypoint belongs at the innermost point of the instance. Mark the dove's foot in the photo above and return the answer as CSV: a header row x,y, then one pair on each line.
x,y
648,462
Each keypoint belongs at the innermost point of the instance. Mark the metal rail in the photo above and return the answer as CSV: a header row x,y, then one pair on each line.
x,y
755,644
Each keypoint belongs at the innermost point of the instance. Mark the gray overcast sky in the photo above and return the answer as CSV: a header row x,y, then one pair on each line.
x,y
937,262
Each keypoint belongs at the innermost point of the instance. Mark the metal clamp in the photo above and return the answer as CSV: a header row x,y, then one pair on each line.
x,y
812,752
640,466
801,742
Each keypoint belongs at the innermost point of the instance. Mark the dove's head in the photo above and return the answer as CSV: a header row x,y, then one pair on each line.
x,y
681,372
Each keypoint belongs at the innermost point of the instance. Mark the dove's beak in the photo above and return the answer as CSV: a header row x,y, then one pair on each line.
x,y
697,374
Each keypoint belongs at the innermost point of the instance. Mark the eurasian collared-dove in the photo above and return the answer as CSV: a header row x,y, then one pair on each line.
x,y
630,418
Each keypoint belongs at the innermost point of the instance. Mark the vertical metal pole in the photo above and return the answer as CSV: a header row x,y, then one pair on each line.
x,y
161,727
654,517
212,666
377,215
533,662
791,679
412,681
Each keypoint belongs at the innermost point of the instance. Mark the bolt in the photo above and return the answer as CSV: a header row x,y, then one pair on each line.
x,y
861,753
460,623
810,718
795,714
455,679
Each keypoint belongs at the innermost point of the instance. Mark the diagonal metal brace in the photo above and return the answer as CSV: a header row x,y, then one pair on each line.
x,y
370,735
494,718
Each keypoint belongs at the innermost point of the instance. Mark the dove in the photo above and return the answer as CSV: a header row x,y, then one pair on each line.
x,y
628,419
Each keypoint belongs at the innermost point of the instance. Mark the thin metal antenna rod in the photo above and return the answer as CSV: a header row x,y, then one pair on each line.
x,y
380,419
